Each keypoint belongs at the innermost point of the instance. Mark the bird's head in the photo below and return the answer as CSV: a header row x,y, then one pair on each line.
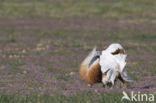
x,y
115,49
119,53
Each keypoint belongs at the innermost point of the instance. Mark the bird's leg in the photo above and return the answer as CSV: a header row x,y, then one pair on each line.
x,y
124,82
116,79
114,85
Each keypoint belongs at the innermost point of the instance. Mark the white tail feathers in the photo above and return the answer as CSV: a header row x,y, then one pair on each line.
x,y
90,56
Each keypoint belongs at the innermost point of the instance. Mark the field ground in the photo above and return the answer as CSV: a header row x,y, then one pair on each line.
x,y
42,44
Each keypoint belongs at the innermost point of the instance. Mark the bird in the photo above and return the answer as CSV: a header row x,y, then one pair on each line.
x,y
106,66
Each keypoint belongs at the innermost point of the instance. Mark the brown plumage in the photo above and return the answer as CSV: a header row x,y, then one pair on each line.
x,y
118,51
92,74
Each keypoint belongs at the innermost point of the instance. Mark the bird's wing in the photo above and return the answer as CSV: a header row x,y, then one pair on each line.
x,y
113,76
110,76
121,60
125,76
88,59
107,61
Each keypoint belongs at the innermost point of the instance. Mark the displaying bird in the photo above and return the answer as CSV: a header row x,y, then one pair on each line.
x,y
106,66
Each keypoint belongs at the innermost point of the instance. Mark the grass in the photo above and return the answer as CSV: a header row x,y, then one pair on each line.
x,y
88,9
85,97
57,34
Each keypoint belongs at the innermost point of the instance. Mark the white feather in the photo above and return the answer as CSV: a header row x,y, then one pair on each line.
x,y
90,56
113,63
